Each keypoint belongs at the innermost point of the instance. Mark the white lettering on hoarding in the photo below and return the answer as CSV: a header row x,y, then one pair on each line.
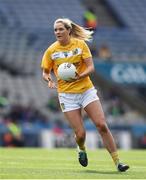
x,y
128,74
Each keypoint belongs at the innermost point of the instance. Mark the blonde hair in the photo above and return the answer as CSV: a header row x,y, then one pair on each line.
x,y
76,30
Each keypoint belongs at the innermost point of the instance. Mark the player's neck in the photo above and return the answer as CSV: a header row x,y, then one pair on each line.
x,y
65,42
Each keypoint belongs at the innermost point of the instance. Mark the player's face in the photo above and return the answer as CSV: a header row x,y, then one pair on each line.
x,y
61,33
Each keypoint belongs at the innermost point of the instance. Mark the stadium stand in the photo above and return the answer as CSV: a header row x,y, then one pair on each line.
x,y
132,13
36,13
125,46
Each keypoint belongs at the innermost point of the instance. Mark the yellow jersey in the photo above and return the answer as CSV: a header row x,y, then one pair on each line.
x,y
75,52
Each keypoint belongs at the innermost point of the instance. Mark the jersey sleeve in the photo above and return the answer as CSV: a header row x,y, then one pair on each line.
x,y
47,62
86,51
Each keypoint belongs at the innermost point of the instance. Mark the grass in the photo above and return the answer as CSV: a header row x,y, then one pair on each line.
x,y
63,164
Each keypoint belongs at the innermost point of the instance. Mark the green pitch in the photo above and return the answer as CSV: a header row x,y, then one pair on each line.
x,y
63,164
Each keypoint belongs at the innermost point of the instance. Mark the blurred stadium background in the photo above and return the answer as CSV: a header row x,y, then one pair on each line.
x,y
30,112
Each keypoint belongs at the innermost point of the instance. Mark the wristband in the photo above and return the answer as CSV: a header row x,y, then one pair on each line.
x,y
49,79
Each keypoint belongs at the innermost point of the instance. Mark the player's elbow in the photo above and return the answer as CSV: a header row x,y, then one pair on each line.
x,y
92,69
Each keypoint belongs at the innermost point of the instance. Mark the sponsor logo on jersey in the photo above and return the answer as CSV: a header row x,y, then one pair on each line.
x,y
66,54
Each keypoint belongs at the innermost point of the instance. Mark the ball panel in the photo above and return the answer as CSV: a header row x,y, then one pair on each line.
x,y
66,71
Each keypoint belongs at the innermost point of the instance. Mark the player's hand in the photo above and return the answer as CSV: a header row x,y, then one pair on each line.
x,y
52,84
75,78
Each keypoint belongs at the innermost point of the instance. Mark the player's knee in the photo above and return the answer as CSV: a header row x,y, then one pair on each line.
x,y
80,135
102,127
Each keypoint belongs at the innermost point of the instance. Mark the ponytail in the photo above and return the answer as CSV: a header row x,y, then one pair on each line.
x,y
77,31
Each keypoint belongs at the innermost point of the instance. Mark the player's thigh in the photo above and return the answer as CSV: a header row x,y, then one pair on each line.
x,y
95,112
75,120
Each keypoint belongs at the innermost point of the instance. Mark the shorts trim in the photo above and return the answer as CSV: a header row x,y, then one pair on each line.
x,y
86,104
67,110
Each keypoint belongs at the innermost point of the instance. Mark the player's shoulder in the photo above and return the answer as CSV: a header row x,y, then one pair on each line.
x,y
76,40
53,46
79,42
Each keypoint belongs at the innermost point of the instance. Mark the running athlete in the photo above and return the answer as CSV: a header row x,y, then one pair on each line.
x,y
80,92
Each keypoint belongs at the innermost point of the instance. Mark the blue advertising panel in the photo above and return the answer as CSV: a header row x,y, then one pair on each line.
x,y
123,73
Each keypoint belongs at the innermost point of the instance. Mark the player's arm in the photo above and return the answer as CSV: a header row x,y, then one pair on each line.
x,y
47,77
90,68
87,58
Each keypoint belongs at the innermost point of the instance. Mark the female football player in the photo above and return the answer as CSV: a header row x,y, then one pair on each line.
x,y
80,92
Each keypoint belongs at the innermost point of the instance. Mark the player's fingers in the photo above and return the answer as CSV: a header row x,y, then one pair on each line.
x,y
51,84
54,86
77,75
